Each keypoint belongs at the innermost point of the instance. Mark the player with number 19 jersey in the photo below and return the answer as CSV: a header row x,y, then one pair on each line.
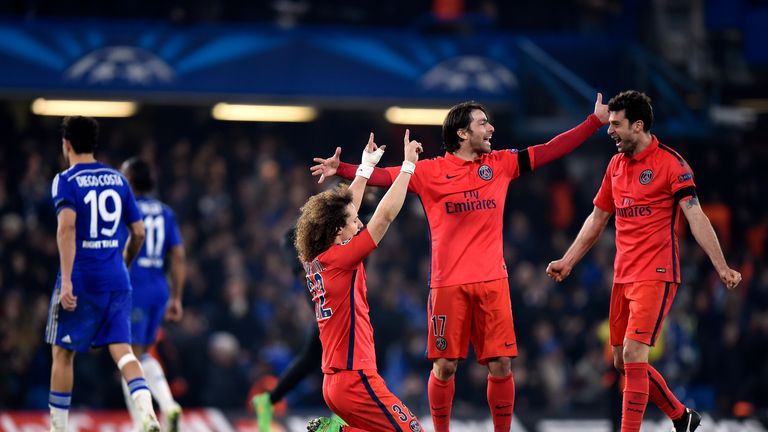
x,y
150,286
104,206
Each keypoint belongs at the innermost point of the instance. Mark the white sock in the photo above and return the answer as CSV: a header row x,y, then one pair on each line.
x,y
142,398
157,383
58,403
59,419
131,405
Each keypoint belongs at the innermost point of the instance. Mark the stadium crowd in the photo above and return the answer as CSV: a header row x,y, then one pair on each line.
x,y
236,190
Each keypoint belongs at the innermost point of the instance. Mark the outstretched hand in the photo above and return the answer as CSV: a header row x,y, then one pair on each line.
x,y
372,153
601,110
327,167
411,148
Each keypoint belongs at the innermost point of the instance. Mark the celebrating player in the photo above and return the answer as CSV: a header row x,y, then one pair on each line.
x,y
463,194
91,303
332,245
645,185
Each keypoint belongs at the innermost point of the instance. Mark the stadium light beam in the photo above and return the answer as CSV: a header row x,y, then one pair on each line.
x,y
91,108
415,116
264,113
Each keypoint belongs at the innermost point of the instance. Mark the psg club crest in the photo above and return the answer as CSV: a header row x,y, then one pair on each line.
x,y
646,177
415,426
441,344
485,172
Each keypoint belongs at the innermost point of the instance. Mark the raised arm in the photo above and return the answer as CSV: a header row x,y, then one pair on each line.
x,y
371,156
328,167
134,242
175,310
588,235
393,200
705,235
65,240
567,141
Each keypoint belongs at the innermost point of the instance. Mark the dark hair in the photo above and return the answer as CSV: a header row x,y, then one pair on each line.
x,y
459,117
320,220
636,106
139,175
81,132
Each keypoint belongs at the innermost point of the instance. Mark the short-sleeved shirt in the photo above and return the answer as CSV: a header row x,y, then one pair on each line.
x,y
464,204
336,282
104,206
148,270
645,191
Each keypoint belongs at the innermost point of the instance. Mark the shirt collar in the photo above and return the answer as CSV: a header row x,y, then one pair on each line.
x,y
450,157
648,150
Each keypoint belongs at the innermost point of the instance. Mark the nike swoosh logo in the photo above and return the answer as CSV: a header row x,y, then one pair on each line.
x,y
639,332
616,174
508,344
634,403
450,176
503,406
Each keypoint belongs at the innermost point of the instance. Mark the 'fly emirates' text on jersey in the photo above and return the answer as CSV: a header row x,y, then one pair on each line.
x,y
336,282
104,206
464,204
645,191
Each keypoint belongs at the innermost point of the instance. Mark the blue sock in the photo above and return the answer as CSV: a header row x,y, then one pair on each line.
x,y
137,384
59,400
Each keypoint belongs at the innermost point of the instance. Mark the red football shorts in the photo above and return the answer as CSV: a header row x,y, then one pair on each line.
x,y
638,310
363,400
478,312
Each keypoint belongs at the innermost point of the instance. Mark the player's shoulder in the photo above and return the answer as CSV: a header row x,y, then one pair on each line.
x,y
668,155
432,162
95,172
495,155
152,206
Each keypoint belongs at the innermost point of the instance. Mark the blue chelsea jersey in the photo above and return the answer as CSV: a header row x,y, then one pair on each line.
x,y
162,233
104,206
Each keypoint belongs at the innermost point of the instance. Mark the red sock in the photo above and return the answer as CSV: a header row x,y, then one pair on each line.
x,y
660,394
501,399
635,396
440,394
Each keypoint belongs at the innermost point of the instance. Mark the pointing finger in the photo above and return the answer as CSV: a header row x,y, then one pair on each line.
x,y
599,98
407,136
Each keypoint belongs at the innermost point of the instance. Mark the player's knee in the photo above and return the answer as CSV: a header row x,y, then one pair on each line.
x,y
444,369
63,356
634,352
500,367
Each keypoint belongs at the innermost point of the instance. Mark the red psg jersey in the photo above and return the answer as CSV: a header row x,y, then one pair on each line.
x,y
336,281
645,191
464,203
